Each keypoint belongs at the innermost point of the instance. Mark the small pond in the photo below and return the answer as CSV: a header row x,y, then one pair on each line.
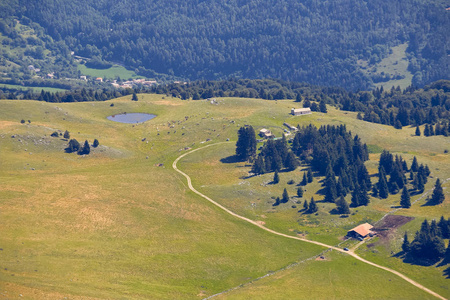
x,y
131,118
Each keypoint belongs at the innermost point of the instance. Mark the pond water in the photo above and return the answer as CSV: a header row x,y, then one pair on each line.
x,y
131,118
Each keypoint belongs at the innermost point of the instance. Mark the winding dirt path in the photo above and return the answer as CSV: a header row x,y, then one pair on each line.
x,y
351,252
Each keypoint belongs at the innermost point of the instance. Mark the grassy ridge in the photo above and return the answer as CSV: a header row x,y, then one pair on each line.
x,y
114,225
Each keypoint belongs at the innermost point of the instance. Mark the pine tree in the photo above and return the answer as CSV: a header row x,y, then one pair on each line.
x,y
304,181
299,192
414,165
134,97
96,143
438,194
364,197
323,106
66,135
420,183
305,206
86,149
285,197
342,206
258,166
426,130
355,196
276,177
405,245
73,146
405,199
444,227
383,190
309,175
246,143
291,162
330,187
312,206
417,131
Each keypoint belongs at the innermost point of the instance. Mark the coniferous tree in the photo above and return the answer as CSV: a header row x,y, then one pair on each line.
x,y
73,146
342,206
309,175
330,187
134,97
305,206
86,149
383,190
96,143
340,189
305,180
285,196
276,177
364,197
246,143
258,166
417,130
420,183
299,192
414,165
405,245
374,191
405,199
291,161
356,193
323,106
312,206
66,135
444,226
426,131
438,194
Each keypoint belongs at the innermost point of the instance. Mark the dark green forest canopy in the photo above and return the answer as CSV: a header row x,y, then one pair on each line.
x,y
311,41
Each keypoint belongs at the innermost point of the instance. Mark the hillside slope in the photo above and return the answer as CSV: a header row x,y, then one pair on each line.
x,y
312,41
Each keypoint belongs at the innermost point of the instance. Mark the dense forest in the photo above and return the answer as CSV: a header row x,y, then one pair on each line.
x,y
313,41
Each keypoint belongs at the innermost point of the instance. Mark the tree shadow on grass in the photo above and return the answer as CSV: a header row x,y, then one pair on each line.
x,y
419,262
230,159
447,273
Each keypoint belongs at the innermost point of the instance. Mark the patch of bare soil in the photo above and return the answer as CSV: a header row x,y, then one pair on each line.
x,y
387,227
320,258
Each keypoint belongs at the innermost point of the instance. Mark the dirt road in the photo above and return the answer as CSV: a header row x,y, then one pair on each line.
x,y
351,252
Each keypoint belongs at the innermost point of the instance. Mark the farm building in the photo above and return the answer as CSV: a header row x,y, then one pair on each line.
x,y
265,133
361,231
300,111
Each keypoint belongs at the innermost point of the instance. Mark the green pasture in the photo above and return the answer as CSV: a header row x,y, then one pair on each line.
x,y
110,73
394,64
121,223
337,276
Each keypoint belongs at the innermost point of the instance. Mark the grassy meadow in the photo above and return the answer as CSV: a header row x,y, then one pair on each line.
x,y
121,223
110,73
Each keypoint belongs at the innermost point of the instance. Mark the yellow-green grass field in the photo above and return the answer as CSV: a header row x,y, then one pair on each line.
x,y
114,225
110,73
